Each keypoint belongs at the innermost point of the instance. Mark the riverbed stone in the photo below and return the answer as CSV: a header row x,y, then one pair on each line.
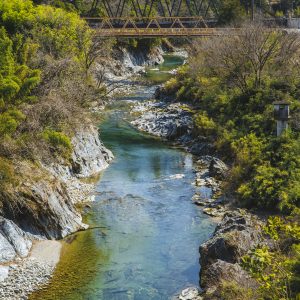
x,y
218,169
16,237
217,212
234,236
7,251
190,293
4,270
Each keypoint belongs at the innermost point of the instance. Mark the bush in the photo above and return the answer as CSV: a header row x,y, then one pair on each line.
x,y
231,291
58,140
6,173
9,122
204,124
276,269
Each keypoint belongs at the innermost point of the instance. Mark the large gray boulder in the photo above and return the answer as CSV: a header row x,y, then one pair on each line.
x,y
7,251
14,242
218,169
237,233
16,237
221,270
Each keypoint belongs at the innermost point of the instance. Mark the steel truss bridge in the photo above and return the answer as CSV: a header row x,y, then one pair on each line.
x,y
155,27
157,18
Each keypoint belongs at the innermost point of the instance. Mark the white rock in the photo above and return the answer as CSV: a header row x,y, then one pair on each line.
x,y
4,270
191,293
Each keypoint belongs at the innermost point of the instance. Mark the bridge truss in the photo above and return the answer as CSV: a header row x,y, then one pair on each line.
x,y
155,18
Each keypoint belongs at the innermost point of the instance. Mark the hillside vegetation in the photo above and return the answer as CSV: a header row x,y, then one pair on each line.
x,y
232,83
45,85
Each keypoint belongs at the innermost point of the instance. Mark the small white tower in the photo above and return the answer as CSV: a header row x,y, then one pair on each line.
x,y
281,115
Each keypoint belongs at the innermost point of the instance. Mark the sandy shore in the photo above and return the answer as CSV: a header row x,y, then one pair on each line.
x,y
46,252
27,275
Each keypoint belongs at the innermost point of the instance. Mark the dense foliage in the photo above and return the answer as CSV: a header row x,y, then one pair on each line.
x,y
234,82
45,84
277,268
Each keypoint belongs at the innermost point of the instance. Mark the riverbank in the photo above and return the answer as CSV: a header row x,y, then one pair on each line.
x,y
173,122
62,188
237,232
27,258
23,277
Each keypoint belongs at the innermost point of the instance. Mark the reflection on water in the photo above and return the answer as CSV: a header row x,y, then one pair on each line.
x,y
150,231
161,73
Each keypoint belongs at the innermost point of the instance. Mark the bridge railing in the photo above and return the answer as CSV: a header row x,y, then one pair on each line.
x,y
155,27
147,22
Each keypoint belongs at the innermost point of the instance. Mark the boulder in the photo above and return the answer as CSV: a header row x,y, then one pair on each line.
x,y
216,212
232,239
190,293
223,271
16,237
234,236
7,251
217,168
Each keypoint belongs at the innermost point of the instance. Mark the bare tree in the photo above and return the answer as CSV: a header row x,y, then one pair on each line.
x,y
243,60
92,47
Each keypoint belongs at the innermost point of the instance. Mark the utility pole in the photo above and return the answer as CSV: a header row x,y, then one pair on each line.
x,y
252,10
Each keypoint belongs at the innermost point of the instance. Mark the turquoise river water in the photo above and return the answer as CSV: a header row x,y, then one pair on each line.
x,y
146,246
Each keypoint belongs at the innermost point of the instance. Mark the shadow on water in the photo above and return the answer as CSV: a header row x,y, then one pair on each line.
x,y
149,247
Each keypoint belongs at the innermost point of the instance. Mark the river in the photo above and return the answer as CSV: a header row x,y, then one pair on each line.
x,y
149,231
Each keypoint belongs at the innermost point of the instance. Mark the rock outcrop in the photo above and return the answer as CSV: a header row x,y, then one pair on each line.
x,y
14,242
166,121
218,169
238,233
125,62
43,204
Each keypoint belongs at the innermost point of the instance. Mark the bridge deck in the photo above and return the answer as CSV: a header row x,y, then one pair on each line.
x,y
155,27
163,32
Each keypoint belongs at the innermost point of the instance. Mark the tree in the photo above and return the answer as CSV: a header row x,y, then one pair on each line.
x,y
231,11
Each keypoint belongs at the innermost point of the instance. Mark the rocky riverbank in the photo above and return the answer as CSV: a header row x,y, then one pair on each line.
x,y
220,256
46,200
47,197
237,232
118,72
24,276
174,123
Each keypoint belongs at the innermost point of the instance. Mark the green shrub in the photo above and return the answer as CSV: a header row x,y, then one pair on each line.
x,y
277,269
205,125
58,140
232,291
6,173
9,122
